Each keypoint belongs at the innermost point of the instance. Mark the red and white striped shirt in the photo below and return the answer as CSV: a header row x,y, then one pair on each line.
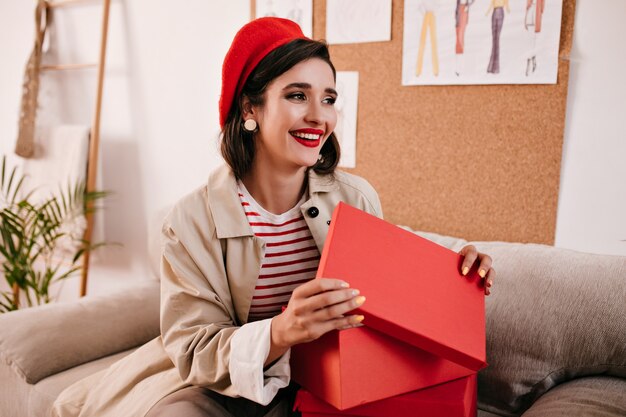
x,y
291,256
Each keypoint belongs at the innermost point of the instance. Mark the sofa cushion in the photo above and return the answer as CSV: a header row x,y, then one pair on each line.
x,y
41,341
588,397
483,413
554,315
44,393
14,392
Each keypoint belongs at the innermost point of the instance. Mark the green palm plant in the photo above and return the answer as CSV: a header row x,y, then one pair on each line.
x,y
31,234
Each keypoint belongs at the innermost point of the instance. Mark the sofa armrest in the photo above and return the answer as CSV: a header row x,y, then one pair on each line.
x,y
42,341
554,315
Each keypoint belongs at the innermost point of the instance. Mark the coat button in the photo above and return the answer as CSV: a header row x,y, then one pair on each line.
x,y
313,212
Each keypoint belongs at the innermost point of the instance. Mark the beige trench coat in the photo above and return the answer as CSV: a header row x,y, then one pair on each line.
x,y
209,268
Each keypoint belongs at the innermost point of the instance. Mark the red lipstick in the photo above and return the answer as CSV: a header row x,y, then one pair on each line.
x,y
309,130
307,141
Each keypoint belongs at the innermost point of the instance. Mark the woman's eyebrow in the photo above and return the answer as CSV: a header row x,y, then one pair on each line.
x,y
307,86
304,86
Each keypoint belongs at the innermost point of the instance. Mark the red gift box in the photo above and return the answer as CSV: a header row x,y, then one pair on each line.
x,y
414,289
351,367
452,399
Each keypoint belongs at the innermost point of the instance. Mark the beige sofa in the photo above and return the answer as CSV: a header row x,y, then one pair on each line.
x,y
556,337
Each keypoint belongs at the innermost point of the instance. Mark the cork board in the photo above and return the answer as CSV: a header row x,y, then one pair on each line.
x,y
478,162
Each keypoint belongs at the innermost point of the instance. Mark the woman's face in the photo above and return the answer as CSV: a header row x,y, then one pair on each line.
x,y
297,117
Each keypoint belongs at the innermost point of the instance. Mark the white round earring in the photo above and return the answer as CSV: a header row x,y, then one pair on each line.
x,y
250,125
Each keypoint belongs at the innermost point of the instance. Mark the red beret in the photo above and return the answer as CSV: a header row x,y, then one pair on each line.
x,y
251,44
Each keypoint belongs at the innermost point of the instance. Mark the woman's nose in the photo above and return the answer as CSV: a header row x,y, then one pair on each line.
x,y
315,113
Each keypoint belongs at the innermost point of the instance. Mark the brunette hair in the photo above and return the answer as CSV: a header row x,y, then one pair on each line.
x,y
237,144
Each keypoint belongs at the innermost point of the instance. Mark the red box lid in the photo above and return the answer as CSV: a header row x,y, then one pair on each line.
x,y
413,287
452,399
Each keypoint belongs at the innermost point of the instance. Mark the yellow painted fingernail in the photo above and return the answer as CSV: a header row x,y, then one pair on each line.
x,y
465,270
482,273
359,318
359,300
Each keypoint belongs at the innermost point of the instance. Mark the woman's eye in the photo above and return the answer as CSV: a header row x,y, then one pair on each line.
x,y
330,100
297,96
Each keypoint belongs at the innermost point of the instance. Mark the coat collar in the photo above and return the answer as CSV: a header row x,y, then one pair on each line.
x,y
225,206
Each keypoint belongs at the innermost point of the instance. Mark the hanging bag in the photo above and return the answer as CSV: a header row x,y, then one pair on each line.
x,y
25,145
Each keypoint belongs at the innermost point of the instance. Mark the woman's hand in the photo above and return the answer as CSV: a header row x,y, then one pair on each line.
x,y
315,308
472,256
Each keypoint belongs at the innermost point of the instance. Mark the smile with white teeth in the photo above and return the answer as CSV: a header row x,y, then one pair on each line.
x,y
309,136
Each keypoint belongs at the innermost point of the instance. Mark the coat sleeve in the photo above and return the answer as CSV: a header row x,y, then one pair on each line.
x,y
198,324
374,202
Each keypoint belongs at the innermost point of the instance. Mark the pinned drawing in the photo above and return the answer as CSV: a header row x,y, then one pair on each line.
x,y
299,11
296,13
461,21
480,42
428,8
347,87
350,21
532,24
496,8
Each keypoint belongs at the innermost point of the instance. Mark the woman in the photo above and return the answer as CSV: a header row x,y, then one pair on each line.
x,y
240,253
461,18
497,20
532,20
428,8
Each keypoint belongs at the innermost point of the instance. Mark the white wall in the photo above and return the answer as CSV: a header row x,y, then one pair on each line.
x,y
592,202
159,116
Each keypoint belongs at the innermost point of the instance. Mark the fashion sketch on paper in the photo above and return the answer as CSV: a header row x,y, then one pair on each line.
x,y
428,8
461,19
295,13
270,9
497,19
532,24
340,109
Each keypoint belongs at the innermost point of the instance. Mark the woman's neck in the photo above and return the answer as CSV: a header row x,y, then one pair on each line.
x,y
277,192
